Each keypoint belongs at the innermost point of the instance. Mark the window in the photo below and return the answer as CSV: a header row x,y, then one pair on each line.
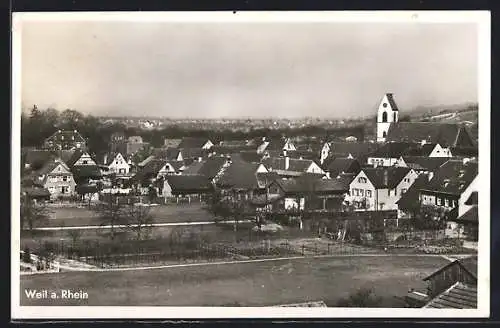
x,y
357,192
361,192
388,192
384,134
369,193
65,178
447,202
438,201
384,117
395,117
64,190
362,180
403,190
85,162
62,137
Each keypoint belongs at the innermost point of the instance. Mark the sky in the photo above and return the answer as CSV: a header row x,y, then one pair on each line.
x,y
211,70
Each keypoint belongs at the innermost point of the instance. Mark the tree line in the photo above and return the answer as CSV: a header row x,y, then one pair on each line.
x,y
37,125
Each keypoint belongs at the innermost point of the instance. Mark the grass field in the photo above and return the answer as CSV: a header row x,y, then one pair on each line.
x,y
244,284
161,214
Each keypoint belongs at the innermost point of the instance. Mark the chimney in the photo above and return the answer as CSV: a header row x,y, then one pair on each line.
x,y
328,175
423,142
465,160
287,162
386,177
431,175
105,160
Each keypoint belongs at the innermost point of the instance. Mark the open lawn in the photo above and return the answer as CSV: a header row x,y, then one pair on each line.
x,y
161,214
244,284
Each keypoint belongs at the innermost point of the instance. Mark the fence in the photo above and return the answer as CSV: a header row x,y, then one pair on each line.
x,y
101,255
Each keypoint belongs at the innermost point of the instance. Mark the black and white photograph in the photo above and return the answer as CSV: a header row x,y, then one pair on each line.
x,y
250,164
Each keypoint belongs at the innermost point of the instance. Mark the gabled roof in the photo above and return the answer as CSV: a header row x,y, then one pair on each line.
x,y
458,296
74,158
37,157
66,136
193,168
453,177
394,176
345,179
225,150
149,171
188,183
424,163
421,150
50,166
192,142
194,153
307,185
240,175
211,166
295,164
343,164
392,150
168,153
471,216
468,263
473,199
465,151
234,143
446,134
392,103
276,143
411,198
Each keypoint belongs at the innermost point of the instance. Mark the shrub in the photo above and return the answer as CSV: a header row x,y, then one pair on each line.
x,y
26,256
363,297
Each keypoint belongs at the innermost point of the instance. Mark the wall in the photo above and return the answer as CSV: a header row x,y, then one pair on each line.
x,y
85,159
439,151
447,278
382,161
356,184
314,168
55,181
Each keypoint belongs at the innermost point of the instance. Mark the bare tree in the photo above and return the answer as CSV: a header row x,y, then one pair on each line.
x,y
139,220
32,213
111,212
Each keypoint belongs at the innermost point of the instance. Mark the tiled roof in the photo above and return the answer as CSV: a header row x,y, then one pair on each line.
x,y
394,176
188,183
392,150
194,153
424,163
224,150
276,143
169,153
420,150
191,142
358,150
446,134
345,179
264,179
458,296
340,165
211,166
149,171
411,198
234,143
193,168
465,151
317,186
171,142
50,166
74,158
453,177
240,175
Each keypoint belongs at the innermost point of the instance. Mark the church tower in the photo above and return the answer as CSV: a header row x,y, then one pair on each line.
x,y
388,113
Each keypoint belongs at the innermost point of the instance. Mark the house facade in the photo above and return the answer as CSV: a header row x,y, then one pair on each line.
x,y
119,165
378,189
57,178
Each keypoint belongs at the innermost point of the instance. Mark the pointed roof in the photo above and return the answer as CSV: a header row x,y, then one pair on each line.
x,y
468,263
410,200
343,164
424,163
392,103
74,158
316,186
394,176
188,183
240,175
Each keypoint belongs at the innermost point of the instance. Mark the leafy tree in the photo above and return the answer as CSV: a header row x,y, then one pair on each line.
x,y
26,258
139,220
75,235
32,213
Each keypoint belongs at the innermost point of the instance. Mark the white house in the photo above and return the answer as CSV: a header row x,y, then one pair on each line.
x,y
380,188
119,165
388,154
